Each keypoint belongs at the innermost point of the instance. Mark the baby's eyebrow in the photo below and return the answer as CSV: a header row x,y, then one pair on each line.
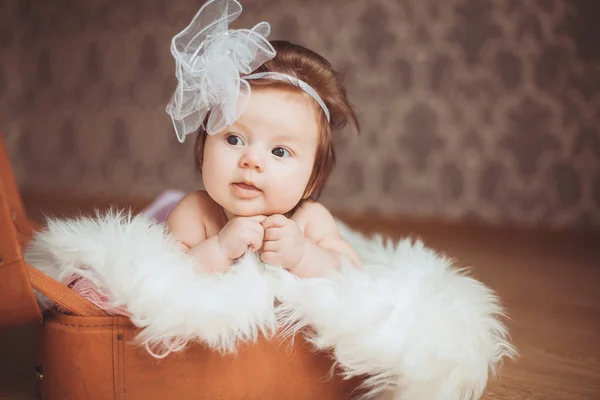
x,y
240,124
284,135
275,134
285,138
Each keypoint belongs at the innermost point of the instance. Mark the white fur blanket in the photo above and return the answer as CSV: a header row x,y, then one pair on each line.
x,y
419,327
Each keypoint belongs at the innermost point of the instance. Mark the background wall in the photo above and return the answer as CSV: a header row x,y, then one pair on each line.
x,y
470,109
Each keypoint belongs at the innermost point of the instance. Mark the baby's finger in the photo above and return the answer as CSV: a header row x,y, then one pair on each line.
x,y
255,246
252,240
271,245
273,233
257,218
269,257
275,220
257,230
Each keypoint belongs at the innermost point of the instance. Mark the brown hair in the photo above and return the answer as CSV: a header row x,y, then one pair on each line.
x,y
317,72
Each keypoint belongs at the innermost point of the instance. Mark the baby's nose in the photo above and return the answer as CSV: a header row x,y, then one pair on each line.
x,y
251,160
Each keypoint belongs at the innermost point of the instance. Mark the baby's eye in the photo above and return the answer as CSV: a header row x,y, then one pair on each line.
x,y
280,152
234,140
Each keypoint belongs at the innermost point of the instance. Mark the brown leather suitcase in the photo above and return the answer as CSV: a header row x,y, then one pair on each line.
x,y
91,356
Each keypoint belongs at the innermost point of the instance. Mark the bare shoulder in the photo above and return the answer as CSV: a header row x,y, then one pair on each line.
x,y
321,228
189,219
317,221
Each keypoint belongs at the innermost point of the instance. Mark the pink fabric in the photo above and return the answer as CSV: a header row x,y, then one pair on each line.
x,y
89,291
158,210
162,206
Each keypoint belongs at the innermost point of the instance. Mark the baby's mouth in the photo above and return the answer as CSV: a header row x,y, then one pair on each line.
x,y
246,186
245,190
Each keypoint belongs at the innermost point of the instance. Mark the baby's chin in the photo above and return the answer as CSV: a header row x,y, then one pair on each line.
x,y
253,211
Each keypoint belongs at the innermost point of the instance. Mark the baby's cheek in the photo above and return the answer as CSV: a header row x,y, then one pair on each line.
x,y
287,184
285,195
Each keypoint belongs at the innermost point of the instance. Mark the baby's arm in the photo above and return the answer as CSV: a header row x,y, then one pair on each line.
x,y
324,245
187,224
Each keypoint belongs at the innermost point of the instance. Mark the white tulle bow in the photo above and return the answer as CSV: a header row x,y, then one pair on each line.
x,y
210,58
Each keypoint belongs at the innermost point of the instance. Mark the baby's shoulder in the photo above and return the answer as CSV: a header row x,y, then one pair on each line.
x,y
315,219
192,216
195,204
312,209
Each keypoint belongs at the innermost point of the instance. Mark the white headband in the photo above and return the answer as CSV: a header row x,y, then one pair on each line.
x,y
213,64
294,81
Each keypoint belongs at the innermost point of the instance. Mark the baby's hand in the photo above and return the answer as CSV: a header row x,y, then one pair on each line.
x,y
283,243
241,234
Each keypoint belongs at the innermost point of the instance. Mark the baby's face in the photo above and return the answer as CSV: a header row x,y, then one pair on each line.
x,y
261,164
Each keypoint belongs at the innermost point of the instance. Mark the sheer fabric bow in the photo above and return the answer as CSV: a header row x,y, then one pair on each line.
x,y
209,61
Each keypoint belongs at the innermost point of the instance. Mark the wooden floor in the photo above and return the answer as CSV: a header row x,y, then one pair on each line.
x,y
548,281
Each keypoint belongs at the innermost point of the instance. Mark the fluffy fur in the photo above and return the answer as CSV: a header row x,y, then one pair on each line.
x,y
135,262
418,327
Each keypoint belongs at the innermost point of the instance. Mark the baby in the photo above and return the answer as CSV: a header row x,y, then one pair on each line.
x,y
263,169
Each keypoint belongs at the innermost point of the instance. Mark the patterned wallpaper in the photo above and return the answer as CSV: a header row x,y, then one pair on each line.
x,y
484,110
